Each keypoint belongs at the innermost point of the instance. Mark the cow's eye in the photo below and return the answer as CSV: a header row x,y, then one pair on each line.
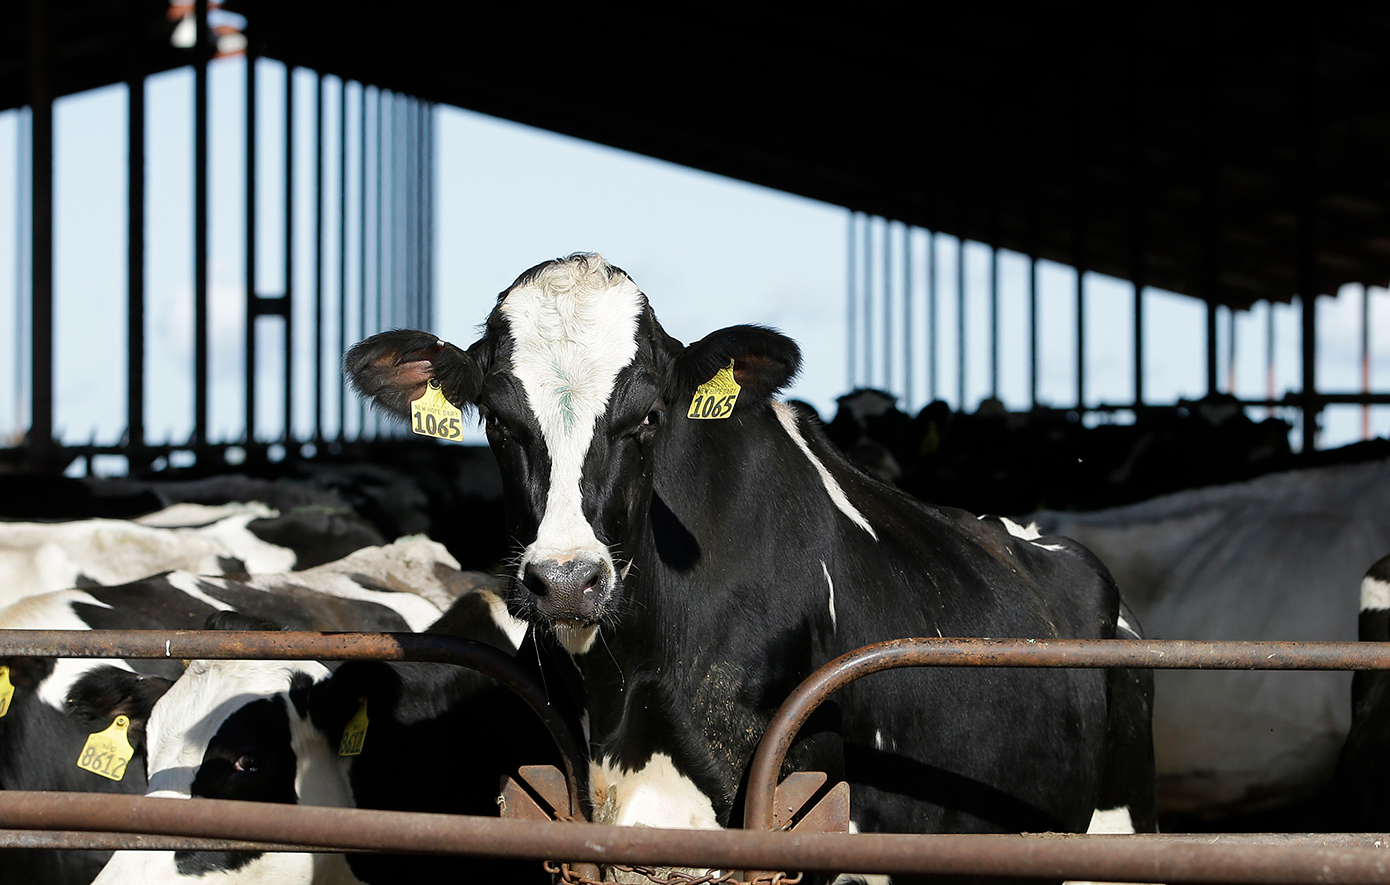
x,y
246,763
653,418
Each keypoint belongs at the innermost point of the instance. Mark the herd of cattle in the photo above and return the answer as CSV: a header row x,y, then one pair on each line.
x,y
680,569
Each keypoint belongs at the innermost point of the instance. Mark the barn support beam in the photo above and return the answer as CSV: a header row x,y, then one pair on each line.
x,y
201,52
40,437
135,261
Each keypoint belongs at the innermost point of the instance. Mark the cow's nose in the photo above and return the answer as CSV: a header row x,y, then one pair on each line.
x,y
567,591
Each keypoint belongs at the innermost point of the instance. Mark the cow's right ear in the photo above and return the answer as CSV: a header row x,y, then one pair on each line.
x,y
103,693
333,702
392,369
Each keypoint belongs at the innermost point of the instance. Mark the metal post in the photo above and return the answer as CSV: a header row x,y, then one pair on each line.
x,y
135,261
887,304
342,250
851,308
41,235
908,402
868,291
960,318
362,244
1306,214
1365,359
288,303
932,374
250,417
320,200
200,226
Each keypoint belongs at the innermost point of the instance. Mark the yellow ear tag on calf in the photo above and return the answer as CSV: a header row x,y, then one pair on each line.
x,y
6,689
433,415
355,734
108,752
716,397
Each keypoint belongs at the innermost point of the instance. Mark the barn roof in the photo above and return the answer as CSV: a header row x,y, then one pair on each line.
x,y
1191,146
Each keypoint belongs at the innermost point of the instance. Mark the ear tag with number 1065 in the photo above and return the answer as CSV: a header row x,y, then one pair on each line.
x,y
107,752
433,415
6,690
716,397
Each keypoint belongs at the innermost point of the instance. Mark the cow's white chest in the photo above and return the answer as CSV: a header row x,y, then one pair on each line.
x,y
655,795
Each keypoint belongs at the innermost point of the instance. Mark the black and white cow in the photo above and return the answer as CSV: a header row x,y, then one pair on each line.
x,y
1362,786
236,538
697,570
438,739
401,586
1278,557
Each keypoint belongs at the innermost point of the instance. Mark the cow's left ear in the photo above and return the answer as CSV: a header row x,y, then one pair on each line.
x,y
104,693
765,361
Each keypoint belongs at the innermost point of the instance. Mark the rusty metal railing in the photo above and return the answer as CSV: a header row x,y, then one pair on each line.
x,y
294,645
1323,858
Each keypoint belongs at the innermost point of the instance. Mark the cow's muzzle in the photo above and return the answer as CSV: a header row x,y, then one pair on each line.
x,y
573,590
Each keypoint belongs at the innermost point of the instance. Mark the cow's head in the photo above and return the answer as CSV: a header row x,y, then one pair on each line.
x,y
232,730
577,384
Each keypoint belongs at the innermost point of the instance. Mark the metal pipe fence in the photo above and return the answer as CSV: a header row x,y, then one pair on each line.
x,y
91,820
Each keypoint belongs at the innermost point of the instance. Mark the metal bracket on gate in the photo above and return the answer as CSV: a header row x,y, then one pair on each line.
x,y
538,792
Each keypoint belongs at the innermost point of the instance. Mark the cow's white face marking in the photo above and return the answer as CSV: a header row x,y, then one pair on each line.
x,y
831,584
185,720
787,418
1375,594
656,795
573,329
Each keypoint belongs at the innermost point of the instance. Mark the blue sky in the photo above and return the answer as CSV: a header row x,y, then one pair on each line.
x,y
708,251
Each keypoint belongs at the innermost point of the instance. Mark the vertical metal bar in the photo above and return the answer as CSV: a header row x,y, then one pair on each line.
x,y
288,305
1210,232
960,320
868,292
887,304
1365,359
429,217
1079,233
41,235
410,251
1269,354
909,404
851,307
1306,215
994,320
23,279
200,226
362,243
382,104
250,379
933,375
342,251
1138,219
1230,351
321,197
135,265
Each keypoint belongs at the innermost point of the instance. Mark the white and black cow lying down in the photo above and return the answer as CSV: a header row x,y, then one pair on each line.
x,y
402,586
439,739
1362,787
238,538
699,562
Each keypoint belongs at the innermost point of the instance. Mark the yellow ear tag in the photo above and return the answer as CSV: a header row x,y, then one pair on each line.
x,y
6,689
355,734
107,752
433,415
716,397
